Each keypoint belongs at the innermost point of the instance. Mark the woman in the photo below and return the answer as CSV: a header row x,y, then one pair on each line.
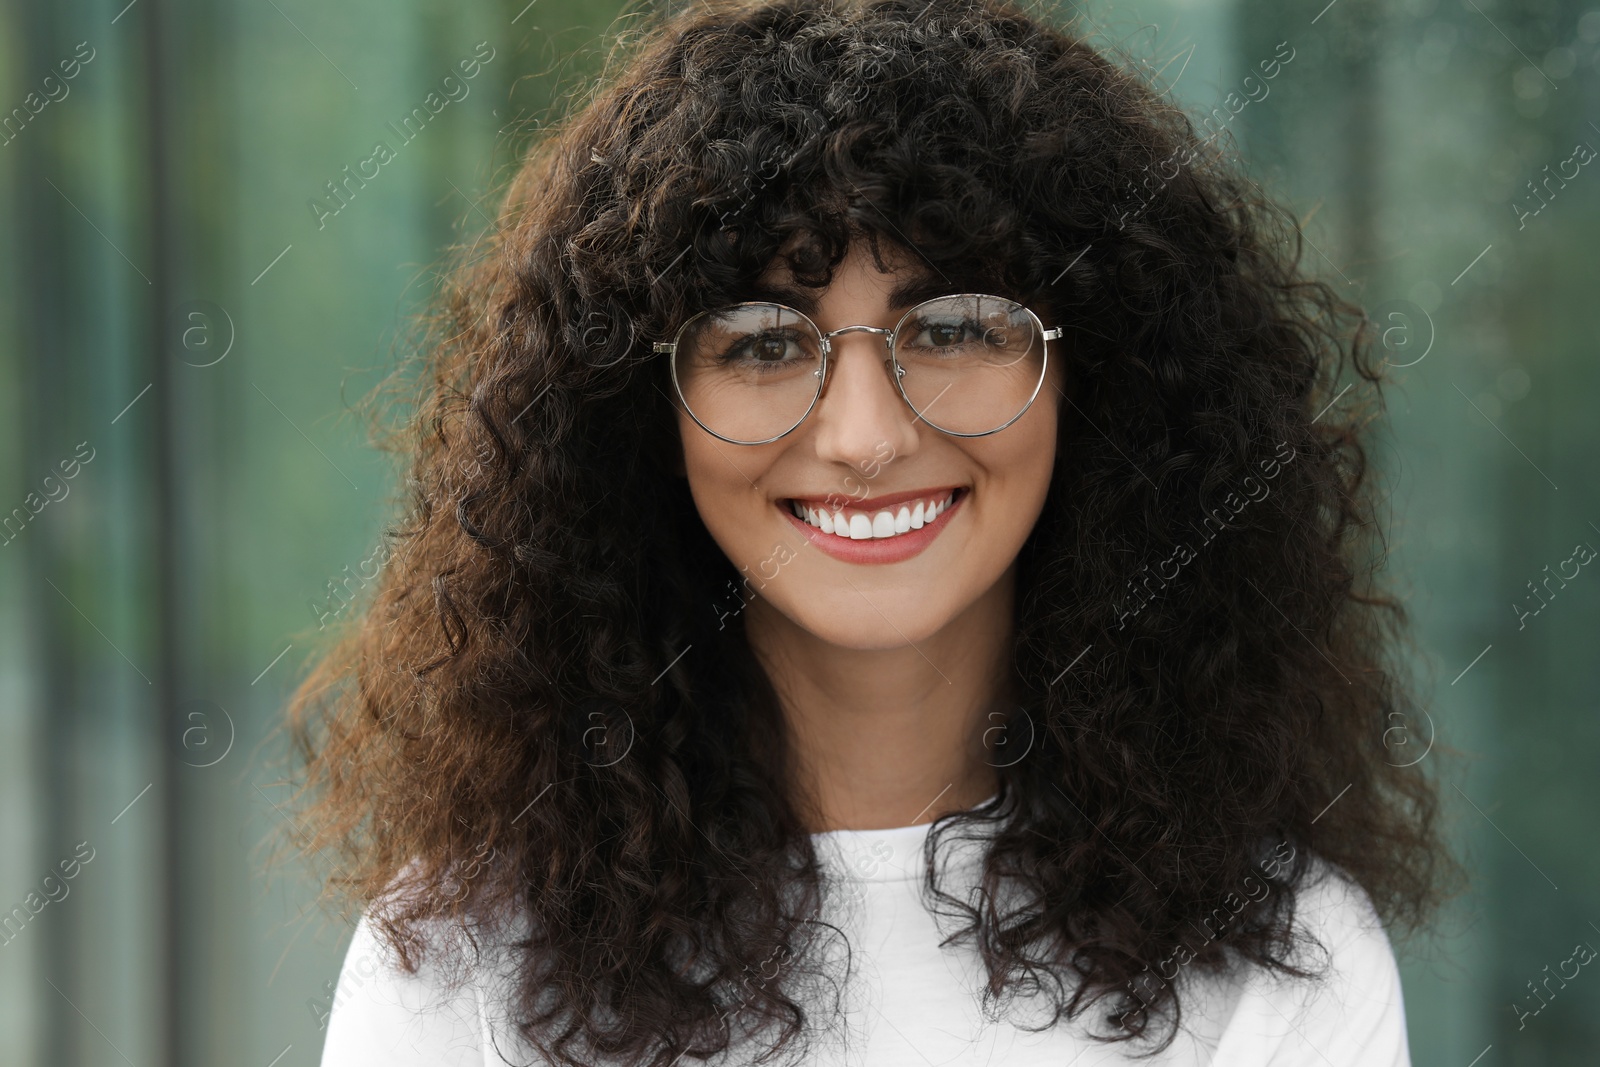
x,y
888,584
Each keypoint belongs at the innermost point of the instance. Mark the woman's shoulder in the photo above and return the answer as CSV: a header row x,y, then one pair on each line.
x,y
1332,904
430,1009
1350,1009
385,1013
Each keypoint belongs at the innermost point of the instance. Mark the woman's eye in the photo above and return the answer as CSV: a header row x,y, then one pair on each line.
x,y
947,334
769,347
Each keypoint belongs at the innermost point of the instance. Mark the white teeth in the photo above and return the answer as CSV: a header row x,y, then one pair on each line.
x,y
887,522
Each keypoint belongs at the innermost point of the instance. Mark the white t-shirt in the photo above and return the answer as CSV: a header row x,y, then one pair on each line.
x,y
910,1003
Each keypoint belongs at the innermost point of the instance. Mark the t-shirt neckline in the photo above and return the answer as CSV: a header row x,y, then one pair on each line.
x,y
893,854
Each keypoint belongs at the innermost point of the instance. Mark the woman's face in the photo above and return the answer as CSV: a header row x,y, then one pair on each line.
x,y
863,452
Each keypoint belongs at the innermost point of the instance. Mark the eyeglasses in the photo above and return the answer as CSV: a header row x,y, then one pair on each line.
x,y
967,364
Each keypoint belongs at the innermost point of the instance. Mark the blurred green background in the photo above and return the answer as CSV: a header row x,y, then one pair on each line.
x,y
185,335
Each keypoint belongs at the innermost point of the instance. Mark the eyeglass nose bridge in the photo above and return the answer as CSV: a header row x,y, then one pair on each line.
x,y
827,338
827,348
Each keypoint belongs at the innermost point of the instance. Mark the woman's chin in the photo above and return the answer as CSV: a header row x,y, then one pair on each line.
x,y
875,623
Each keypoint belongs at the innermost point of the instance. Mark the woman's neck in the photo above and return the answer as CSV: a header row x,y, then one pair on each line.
x,y
889,737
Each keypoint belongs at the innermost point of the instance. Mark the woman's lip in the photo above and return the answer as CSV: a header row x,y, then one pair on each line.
x,y
875,549
874,503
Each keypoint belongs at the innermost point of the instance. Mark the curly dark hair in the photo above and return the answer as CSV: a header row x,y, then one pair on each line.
x,y
1233,658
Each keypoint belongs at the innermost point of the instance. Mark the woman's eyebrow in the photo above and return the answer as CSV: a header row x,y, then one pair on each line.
x,y
904,294
804,300
916,289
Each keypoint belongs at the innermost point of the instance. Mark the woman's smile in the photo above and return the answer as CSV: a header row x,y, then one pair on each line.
x,y
885,529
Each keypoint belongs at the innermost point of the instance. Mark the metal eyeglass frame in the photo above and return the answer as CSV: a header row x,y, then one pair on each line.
x,y
670,348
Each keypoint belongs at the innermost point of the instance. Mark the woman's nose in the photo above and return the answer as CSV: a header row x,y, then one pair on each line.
x,y
861,410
